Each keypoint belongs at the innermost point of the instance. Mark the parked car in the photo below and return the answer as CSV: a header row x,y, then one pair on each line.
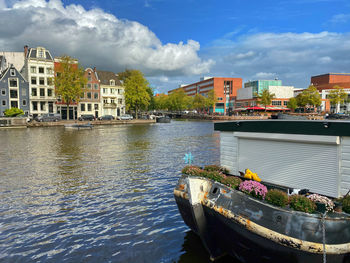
x,y
125,117
106,117
86,117
48,117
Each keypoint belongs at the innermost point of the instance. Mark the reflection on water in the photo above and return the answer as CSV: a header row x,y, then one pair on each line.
x,y
100,195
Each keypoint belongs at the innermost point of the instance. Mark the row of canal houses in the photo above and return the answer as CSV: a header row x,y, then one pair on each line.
x,y
26,82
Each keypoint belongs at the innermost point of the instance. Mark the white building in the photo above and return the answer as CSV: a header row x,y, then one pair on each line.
x,y
39,68
112,94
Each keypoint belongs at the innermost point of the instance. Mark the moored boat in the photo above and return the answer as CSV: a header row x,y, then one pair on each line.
x,y
163,119
77,126
288,155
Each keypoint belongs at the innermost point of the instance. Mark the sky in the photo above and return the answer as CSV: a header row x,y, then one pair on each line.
x,y
176,42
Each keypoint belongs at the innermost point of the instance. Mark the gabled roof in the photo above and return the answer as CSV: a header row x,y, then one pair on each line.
x,y
106,76
6,73
32,53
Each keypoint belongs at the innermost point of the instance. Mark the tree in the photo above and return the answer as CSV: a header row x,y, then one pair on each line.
x,y
309,97
198,102
337,96
69,81
210,100
152,102
178,100
161,102
265,98
13,112
292,104
137,95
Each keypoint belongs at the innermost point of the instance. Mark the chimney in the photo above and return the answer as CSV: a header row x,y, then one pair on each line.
x,y
25,51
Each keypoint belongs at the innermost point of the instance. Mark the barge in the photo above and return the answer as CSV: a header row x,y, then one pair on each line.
x,y
290,155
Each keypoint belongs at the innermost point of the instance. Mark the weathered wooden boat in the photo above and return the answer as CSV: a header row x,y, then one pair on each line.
x,y
77,126
293,154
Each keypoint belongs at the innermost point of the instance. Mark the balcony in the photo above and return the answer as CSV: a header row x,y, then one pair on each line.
x,y
109,105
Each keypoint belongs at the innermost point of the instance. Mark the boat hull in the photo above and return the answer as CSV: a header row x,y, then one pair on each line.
x,y
224,230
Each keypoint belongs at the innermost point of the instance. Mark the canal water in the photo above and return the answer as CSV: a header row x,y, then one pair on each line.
x,y
100,195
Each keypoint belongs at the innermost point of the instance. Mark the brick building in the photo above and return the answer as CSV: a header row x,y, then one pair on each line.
x,y
225,90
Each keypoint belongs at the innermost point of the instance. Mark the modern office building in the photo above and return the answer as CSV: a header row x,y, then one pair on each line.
x,y
225,90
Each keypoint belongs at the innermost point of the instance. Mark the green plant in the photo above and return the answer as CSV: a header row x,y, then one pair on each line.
x,y
193,170
231,181
302,203
215,168
13,112
346,204
277,197
214,175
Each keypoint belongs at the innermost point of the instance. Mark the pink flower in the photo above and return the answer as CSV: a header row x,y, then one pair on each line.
x,y
253,188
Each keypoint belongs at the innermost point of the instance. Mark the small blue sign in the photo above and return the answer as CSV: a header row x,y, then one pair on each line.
x,y
188,158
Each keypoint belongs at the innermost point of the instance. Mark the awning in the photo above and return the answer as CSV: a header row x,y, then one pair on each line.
x,y
276,108
255,108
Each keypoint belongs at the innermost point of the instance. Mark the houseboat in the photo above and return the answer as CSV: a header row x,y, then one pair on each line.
x,y
288,155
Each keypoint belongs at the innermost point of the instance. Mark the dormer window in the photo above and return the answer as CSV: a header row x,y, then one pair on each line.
x,y
41,52
112,82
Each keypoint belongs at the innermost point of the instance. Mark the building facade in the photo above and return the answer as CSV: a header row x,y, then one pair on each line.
x,y
39,69
225,90
90,102
247,97
112,94
14,91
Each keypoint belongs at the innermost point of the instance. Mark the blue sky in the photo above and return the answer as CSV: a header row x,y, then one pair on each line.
x,y
177,42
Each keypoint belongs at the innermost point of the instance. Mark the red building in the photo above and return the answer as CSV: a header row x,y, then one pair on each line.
x,y
329,80
225,90
90,99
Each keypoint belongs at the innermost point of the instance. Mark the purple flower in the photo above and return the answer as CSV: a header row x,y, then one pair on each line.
x,y
253,188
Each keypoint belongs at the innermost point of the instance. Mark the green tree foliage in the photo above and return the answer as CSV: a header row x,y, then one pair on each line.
x,y
69,81
310,97
13,112
198,102
292,104
337,96
152,102
137,96
210,100
178,101
265,98
161,102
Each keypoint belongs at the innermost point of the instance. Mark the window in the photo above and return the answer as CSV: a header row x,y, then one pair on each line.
x,y
89,86
24,102
41,81
89,78
3,92
285,103
82,107
120,91
49,71
276,103
95,95
89,107
41,70
96,106
112,91
105,101
105,90
12,72
120,101
219,98
13,94
3,103
35,105
49,92
58,74
34,92
13,82
95,86
89,95
42,92
33,80
40,53
112,82
14,104
112,100
32,69
42,105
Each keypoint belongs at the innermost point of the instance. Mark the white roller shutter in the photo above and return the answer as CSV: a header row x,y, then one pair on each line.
x,y
296,161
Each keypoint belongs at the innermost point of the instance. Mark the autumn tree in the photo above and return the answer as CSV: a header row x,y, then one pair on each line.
x,y
292,104
69,81
161,102
309,97
265,97
198,102
210,100
337,96
137,96
178,100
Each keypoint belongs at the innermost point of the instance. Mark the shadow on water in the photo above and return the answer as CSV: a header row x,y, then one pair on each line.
x,y
195,252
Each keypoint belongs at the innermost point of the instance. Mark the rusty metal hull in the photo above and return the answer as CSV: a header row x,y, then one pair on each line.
x,y
251,230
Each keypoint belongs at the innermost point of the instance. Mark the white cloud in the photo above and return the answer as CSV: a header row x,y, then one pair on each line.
x,y
340,18
96,38
291,57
